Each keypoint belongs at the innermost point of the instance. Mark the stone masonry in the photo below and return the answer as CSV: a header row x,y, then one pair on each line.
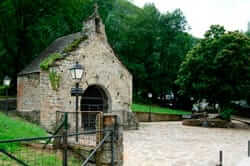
x,y
102,68
31,100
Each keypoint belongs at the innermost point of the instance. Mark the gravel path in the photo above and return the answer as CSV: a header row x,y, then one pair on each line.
x,y
172,144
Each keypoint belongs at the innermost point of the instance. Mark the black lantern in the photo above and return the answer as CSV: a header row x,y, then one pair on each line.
x,y
76,74
76,71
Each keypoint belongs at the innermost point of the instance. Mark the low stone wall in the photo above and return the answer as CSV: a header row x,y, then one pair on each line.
x,y
216,123
145,117
128,119
30,116
11,104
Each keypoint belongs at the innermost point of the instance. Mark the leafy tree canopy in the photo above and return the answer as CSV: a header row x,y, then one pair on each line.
x,y
151,44
217,68
248,33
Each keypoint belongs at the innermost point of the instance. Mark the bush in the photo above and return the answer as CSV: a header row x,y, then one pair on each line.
x,y
2,90
226,114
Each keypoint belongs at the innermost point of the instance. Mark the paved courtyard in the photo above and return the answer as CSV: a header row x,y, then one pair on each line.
x,y
171,144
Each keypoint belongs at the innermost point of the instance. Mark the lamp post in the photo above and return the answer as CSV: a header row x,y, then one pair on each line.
x,y
76,74
150,95
6,82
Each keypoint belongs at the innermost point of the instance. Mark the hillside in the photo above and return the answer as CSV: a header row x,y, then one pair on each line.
x,y
14,127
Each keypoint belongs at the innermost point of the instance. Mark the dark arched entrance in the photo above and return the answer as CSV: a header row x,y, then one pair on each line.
x,y
93,100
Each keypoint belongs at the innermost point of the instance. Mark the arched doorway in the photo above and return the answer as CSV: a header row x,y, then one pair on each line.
x,y
93,100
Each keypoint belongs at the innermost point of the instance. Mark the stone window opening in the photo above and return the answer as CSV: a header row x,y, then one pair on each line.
x,y
97,25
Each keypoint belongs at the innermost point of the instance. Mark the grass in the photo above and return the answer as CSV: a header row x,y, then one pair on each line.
x,y
157,110
13,128
35,157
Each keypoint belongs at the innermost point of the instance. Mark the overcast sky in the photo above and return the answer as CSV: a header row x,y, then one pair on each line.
x,y
200,14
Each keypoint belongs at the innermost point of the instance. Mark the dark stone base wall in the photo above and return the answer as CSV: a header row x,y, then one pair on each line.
x,y
128,119
31,116
11,104
144,117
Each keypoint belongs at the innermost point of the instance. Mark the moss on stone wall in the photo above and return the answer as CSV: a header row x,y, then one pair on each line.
x,y
74,45
54,80
49,61
54,77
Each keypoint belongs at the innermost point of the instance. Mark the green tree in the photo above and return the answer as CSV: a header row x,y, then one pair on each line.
x,y
28,27
217,68
151,44
248,33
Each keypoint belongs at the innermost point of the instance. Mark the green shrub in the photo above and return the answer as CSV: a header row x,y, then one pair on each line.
x,y
226,113
3,90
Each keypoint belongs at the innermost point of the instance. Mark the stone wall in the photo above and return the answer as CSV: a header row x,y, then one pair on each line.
x,y
12,102
28,92
145,116
30,116
51,101
128,119
102,68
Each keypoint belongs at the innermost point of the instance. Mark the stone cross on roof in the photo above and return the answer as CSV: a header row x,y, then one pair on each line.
x,y
96,8
94,23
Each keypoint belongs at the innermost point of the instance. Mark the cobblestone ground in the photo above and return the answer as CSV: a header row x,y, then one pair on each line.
x,y
171,144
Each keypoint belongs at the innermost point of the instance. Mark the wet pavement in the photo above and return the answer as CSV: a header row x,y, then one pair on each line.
x,y
172,144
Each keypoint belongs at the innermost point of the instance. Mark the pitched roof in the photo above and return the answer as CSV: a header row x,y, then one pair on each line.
x,y
57,46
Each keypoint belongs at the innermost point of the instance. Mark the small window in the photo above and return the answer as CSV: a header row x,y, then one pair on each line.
x,y
97,25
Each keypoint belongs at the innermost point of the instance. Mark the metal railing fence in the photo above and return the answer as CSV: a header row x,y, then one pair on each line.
x,y
60,149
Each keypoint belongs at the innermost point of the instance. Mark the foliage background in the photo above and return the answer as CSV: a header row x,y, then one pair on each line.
x,y
151,44
217,68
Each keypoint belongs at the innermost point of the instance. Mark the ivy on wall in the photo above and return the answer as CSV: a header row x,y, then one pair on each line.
x,y
54,77
54,80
